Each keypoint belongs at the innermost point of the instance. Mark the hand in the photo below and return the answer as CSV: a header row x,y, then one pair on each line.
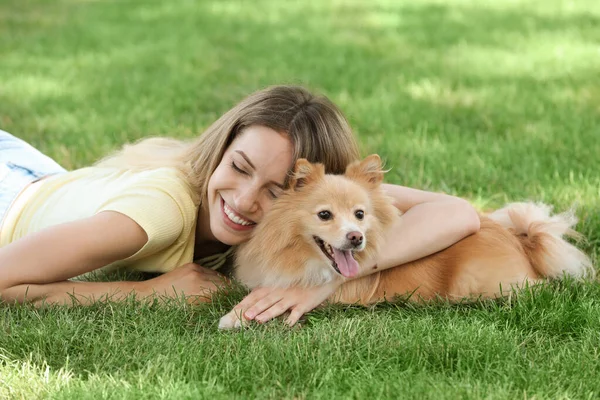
x,y
195,282
264,304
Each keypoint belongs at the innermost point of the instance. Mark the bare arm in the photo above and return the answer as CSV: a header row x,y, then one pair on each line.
x,y
431,222
37,266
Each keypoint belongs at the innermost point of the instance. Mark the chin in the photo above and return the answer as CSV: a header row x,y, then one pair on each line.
x,y
226,231
223,235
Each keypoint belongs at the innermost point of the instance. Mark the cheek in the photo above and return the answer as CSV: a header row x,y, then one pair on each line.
x,y
266,203
369,222
220,179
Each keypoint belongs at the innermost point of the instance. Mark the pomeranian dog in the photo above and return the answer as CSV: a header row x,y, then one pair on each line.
x,y
324,227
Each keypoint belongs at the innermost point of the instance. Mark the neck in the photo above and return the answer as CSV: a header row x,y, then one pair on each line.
x,y
205,243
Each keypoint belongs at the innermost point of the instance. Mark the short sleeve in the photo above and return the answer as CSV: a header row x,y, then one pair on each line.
x,y
155,211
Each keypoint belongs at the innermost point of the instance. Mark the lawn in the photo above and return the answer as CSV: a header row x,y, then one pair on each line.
x,y
491,101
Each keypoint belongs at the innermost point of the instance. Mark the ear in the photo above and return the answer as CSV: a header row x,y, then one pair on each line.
x,y
368,170
305,173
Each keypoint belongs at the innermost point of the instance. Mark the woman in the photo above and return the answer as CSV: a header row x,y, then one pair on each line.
x,y
158,205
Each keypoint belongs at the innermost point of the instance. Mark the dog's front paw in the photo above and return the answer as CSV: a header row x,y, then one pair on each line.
x,y
232,321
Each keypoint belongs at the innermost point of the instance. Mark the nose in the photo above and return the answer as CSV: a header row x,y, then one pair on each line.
x,y
356,238
247,201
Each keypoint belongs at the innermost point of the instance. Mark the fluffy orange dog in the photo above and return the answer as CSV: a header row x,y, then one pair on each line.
x,y
325,226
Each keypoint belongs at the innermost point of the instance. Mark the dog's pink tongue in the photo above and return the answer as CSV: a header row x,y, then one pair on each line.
x,y
345,262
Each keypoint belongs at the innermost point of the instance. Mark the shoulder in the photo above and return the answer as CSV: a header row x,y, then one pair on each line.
x,y
169,182
160,201
161,194
157,176
166,181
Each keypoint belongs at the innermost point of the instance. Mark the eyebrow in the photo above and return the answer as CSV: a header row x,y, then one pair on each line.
x,y
246,158
241,153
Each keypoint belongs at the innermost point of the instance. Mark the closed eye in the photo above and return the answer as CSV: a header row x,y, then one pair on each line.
x,y
238,169
275,191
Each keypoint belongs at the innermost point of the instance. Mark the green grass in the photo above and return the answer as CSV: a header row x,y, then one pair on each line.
x,y
492,101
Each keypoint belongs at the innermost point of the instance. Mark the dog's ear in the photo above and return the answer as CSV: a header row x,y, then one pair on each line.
x,y
305,173
368,170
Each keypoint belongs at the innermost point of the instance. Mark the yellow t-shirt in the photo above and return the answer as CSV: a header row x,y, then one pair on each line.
x,y
159,200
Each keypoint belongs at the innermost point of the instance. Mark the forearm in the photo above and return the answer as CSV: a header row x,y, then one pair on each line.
x,y
70,293
425,229
63,251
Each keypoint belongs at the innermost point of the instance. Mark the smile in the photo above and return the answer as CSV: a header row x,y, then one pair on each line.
x,y
235,220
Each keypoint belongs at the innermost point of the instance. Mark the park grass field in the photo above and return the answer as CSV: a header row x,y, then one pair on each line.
x,y
491,101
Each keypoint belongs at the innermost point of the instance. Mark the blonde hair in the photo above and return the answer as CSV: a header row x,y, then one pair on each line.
x,y
316,127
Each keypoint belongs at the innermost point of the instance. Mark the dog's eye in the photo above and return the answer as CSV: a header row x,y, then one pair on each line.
x,y
325,215
359,214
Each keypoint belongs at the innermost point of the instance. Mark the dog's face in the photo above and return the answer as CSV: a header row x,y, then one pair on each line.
x,y
320,229
339,218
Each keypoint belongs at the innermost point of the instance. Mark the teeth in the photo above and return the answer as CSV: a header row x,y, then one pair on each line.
x,y
234,218
329,250
326,247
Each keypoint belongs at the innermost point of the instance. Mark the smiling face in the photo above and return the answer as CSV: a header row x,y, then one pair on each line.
x,y
245,184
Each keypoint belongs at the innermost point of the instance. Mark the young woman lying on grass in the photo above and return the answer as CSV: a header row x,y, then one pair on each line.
x,y
158,205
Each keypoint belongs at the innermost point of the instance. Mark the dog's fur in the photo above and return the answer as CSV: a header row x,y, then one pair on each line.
x,y
517,245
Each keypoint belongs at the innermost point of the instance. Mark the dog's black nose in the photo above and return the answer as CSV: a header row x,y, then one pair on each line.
x,y
356,238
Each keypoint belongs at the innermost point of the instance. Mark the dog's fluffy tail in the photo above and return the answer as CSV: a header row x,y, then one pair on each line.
x,y
542,236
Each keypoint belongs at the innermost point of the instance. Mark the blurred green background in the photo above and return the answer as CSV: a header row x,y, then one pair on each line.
x,y
475,97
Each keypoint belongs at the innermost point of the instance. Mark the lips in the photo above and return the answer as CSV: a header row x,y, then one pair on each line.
x,y
234,220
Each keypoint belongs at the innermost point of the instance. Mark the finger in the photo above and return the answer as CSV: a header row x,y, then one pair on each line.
x,y
216,281
249,301
263,304
294,316
198,299
252,298
210,286
226,280
274,311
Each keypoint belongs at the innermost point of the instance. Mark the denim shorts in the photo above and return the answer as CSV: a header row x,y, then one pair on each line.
x,y
20,164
